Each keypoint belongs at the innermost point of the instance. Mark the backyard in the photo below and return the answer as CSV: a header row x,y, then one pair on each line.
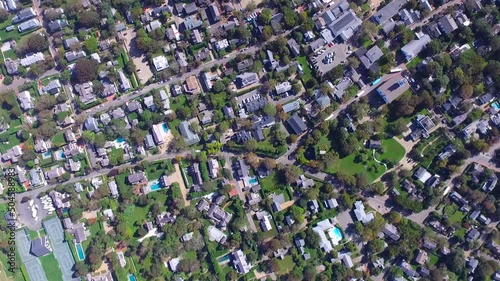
x,y
305,67
286,264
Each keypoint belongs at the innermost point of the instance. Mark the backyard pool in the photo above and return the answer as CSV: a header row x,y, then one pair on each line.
x,y
120,140
165,128
47,155
154,185
253,181
61,154
336,236
79,250
223,259
496,106
131,277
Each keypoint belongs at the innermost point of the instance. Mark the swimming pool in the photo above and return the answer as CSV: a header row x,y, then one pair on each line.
x,y
154,185
165,128
131,277
120,140
61,154
253,181
336,236
496,105
79,250
223,259
47,154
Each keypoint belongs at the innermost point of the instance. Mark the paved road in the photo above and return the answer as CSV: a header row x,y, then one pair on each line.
x,y
434,12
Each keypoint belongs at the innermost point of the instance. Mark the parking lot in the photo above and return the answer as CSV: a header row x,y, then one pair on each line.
x,y
339,56
25,215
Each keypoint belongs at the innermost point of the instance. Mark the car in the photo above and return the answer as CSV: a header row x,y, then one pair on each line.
x,y
330,44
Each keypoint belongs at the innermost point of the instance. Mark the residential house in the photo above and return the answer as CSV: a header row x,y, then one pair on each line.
x,y
86,92
74,55
25,101
296,124
196,174
361,215
31,59
422,174
331,203
472,235
294,47
213,168
214,13
414,47
240,263
246,79
490,184
24,14
160,63
391,231
189,136
368,58
278,200
218,215
136,178
241,169
125,84
53,87
71,43
422,257
255,105
388,11
447,24
192,86
164,218
393,88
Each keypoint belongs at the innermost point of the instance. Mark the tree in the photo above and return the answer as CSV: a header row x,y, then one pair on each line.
x,y
292,173
218,86
466,91
376,246
85,70
7,80
265,16
251,145
4,15
36,43
89,19
91,45
353,61
270,109
369,28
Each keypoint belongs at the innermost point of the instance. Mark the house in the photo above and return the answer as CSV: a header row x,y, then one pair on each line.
x,y
57,25
388,11
244,65
410,16
125,84
278,200
346,259
74,55
447,24
429,245
246,79
297,125
192,86
40,246
189,136
72,165
53,87
265,223
191,22
359,212
214,13
214,234
315,45
153,25
472,264
36,178
484,99
374,144
213,168
283,87
304,182
218,215
31,59
313,206
472,235
25,101
164,218
12,66
71,42
408,270
136,178
24,14
368,58
196,174
414,47
422,174
331,203
393,88
490,184
253,198
54,173
241,169
160,63
86,92
240,263
70,136
422,257
345,26
255,105
294,47
113,188
391,231
91,124
448,151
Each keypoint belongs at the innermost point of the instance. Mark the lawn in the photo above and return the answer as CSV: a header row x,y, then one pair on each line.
x,y
433,259
51,267
58,140
13,140
273,184
414,62
305,67
178,102
286,264
393,151
453,213
347,164
154,171
94,229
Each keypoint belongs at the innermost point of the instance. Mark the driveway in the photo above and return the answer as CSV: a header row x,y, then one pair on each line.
x,y
138,57
177,177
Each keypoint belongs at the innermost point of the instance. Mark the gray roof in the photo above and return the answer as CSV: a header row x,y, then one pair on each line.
x,y
40,246
388,11
189,136
297,124
414,47
345,25
70,41
447,24
246,79
23,15
393,88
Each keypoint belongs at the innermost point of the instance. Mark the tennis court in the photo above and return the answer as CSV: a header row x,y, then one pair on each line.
x,y
32,264
61,249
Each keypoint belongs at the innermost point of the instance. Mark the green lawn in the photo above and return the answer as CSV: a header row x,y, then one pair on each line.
x,y
273,184
178,102
393,151
347,164
93,228
286,264
305,67
191,255
154,171
433,259
13,140
51,267
414,62
58,140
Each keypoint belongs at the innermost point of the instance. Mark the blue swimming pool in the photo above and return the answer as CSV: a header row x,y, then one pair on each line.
x,y
47,154
496,105
61,154
131,277
79,250
337,235
223,259
120,140
253,181
165,128
155,186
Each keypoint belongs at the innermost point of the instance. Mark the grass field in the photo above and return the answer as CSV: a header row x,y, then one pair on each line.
x,y
433,259
286,264
305,67
58,140
13,140
393,151
51,267
414,62
154,171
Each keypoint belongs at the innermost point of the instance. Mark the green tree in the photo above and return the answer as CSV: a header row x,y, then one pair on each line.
x,y
265,16
4,15
85,70
91,45
270,109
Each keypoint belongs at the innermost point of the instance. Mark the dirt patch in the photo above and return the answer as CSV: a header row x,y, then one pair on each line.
x,y
89,215
177,177
140,60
